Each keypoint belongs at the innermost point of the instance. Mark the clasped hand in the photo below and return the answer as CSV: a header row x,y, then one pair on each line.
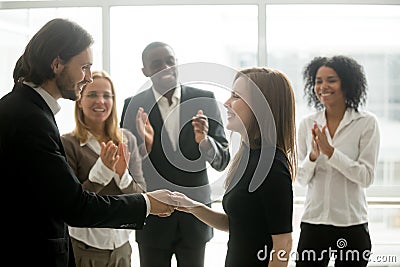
x,y
164,202
320,143
115,157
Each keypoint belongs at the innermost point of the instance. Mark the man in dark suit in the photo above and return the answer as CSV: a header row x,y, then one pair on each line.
x,y
180,129
42,193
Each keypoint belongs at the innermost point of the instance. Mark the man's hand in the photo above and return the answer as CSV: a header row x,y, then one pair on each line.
x,y
144,128
200,126
161,202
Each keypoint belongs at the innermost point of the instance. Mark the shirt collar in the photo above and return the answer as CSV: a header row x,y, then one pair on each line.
x,y
92,143
349,115
176,95
50,101
89,139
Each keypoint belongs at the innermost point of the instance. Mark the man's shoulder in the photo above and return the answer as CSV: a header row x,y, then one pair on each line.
x,y
127,133
196,91
11,104
140,95
16,95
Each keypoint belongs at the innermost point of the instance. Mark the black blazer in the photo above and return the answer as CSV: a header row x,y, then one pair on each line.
x,y
42,195
183,171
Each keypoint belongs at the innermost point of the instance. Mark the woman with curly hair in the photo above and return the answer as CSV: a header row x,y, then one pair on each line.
x,y
338,149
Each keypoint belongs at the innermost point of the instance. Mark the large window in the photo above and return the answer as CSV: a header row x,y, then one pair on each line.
x,y
17,28
284,36
219,34
297,33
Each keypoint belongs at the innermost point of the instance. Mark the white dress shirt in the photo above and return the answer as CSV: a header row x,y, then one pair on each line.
x,y
336,186
171,117
48,98
170,114
102,238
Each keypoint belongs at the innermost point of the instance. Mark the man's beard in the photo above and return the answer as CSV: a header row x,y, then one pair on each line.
x,y
66,86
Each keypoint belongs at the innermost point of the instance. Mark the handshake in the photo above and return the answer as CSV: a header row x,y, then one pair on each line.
x,y
163,202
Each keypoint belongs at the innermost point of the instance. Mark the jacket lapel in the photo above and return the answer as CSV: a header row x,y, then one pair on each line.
x,y
28,92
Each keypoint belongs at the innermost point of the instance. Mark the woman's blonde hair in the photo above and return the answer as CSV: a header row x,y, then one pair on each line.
x,y
111,124
278,93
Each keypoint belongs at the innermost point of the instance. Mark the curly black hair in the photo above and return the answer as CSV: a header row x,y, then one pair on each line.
x,y
351,74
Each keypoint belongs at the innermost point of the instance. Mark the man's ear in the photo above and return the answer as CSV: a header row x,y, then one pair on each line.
x,y
57,65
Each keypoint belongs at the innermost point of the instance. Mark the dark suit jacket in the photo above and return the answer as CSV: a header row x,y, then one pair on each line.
x,y
42,194
184,170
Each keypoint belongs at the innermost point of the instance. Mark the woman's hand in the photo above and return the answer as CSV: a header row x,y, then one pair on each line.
x,y
322,141
184,203
315,152
109,155
123,160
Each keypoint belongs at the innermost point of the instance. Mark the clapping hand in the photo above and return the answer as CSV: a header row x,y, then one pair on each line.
x,y
109,155
200,125
123,159
314,146
320,142
144,128
116,158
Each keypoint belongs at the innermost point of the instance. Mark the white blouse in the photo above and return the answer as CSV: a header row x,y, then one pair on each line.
x,y
336,186
103,238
